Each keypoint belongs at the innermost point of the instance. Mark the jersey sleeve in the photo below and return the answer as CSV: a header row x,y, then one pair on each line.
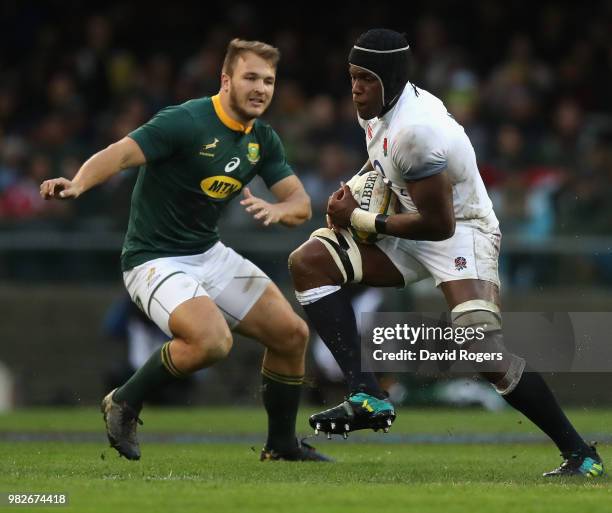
x,y
274,166
165,133
419,152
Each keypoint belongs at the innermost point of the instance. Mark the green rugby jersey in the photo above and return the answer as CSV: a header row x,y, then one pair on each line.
x,y
198,159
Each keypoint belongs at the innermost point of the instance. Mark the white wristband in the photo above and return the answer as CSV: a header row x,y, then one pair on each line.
x,y
363,220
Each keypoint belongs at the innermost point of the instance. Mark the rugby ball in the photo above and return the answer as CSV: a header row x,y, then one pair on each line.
x,y
372,195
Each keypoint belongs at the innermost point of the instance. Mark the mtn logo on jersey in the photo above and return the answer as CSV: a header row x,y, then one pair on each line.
x,y
220,187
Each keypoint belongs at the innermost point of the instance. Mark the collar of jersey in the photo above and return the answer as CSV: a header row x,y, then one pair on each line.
x,y
389,114
229,122
386,117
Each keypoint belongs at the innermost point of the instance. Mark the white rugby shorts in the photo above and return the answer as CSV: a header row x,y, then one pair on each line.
x,y
230,280
471,253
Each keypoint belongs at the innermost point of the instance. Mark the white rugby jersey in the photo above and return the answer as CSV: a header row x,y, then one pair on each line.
x,y
418,138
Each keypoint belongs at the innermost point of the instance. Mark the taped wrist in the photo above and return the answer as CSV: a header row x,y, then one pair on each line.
x,y
369,222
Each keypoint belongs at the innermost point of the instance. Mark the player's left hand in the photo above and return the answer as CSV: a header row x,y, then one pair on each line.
x,y
268,213
340,207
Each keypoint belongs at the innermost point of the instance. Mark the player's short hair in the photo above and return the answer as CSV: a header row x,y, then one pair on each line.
x,y
237,47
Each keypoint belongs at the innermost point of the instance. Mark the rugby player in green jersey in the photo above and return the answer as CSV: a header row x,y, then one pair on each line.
x,y
194,158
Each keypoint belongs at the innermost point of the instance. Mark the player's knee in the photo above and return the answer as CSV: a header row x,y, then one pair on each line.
x,y
499,366
483,319
293,340
210,344
299,336
508,377
221,346
305,260
477,314
310,266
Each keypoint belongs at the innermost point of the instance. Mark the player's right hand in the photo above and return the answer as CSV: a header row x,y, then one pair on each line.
x,y
59,188
340,207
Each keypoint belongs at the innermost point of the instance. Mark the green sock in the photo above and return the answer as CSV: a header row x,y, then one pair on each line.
x,y
281,398
157,371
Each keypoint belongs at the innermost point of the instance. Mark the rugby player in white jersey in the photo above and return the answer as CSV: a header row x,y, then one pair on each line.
x,y
446,229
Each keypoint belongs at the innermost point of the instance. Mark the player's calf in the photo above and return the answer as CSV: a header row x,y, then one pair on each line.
x,y
527,392
319,269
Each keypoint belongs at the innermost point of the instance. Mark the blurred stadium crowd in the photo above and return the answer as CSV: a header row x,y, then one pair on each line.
x,y
530,84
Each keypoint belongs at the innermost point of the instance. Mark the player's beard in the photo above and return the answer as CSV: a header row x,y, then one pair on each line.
x,y
236,106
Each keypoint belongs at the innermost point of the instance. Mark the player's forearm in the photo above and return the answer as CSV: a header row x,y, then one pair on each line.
x,y
99,168
296,209
418,227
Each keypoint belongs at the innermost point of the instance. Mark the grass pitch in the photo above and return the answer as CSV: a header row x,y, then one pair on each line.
x,y
188,465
